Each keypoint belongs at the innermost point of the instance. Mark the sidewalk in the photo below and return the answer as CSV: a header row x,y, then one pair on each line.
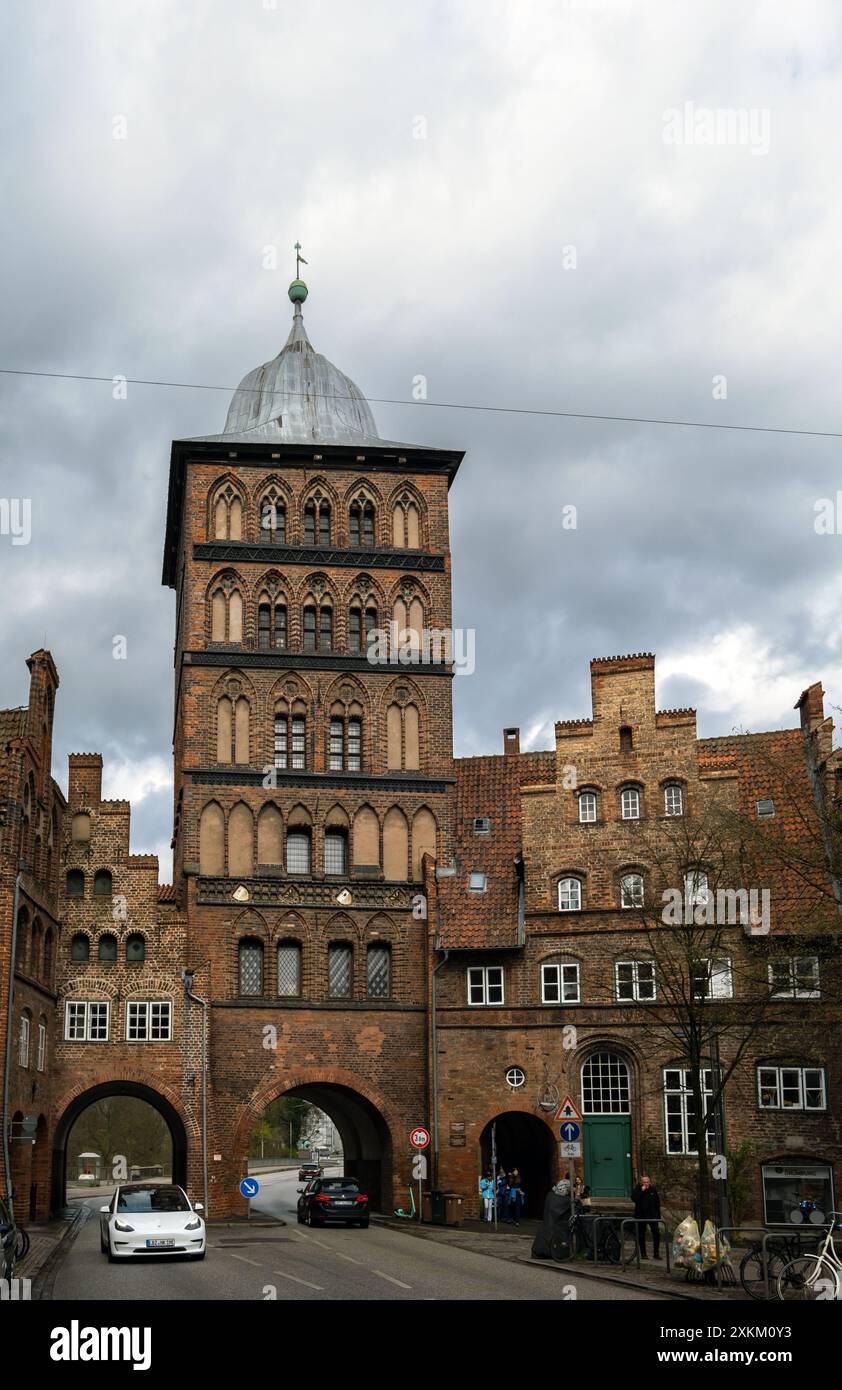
x,y
45,1237
515,1243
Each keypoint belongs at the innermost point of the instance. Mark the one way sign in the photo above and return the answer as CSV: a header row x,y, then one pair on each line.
x,y
567,1110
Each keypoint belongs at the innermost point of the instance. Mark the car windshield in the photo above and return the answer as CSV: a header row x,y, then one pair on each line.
x,y
152,1198
338,1185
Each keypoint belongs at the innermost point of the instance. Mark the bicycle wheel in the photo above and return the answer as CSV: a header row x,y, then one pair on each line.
x,y
751,1272
808,1278
21,1242
611,1249
560,1248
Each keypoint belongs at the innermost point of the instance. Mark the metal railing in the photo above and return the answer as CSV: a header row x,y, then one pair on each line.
x,y
636,1221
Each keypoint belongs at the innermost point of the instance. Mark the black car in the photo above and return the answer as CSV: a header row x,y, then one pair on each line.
x,y
8,1238
307,1171
333,1199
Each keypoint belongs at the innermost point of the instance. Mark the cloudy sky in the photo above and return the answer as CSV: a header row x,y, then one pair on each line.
x,y
588,206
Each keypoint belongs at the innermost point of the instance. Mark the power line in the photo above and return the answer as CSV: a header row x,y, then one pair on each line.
x,y
447,405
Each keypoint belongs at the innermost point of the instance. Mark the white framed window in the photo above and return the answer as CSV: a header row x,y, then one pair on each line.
x,y
791,1088
631,890
86,1020
679,1118
634,980
485,984
560,983
696,891
673,800
630,804
23,1040
477,883
795,977
570,895
515,1077
713,978
588,806
148,1020
41,1061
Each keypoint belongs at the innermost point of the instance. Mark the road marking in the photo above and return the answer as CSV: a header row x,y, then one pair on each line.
x,y
399,1282
281,1275
241,1258
340,1256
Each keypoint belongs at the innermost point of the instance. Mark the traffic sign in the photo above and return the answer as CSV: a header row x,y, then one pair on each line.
x,y
571,1150
570,1131
249,1187
419,1137
567,1110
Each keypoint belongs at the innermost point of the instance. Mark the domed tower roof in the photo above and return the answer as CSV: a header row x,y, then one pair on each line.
x,y
300,397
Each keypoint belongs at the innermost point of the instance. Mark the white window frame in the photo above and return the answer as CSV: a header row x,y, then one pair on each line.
x,y
568,977
792,991
41,1056
684,1091
696,890
574,907
592,800
637,899
23,1040
145,1010
630,810
717,969
636,996
87,1019
478,978
777,1073
673,790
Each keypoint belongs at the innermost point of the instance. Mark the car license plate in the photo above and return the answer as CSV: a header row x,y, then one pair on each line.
x,y
342,1203
159,1244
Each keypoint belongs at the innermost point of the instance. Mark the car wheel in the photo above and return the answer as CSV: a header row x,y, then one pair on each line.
x,y
112,1258
364,1225
299,1218
200,1256
102,1245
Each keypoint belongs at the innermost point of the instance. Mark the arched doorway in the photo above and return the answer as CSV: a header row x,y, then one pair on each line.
x,y
522,1141
606,1118
80,1104
366,1142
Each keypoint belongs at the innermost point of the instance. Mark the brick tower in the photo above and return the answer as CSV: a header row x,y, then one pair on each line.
x,y
313,754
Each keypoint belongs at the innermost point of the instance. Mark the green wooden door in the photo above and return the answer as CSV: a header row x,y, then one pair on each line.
x,y
607,1154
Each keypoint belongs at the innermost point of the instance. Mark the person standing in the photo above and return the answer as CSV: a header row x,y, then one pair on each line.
x,y
502,1194
486,1192
647,1210
516,1196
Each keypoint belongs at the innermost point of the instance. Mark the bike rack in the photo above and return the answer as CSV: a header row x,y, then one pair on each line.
x,y
643,1221
766,1233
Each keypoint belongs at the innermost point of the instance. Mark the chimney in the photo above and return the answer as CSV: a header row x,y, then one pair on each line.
x,y
511,741
85,780
811,705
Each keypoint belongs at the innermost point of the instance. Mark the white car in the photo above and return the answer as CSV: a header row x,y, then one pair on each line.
x,y
151,1218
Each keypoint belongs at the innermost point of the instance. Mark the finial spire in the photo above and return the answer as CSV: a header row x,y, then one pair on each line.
x,y
298,290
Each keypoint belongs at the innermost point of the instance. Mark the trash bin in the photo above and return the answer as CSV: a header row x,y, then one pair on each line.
x,y
437,1217
452,1209
426,1208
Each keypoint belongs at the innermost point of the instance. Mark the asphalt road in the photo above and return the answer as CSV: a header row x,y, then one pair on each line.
x,y
299,1264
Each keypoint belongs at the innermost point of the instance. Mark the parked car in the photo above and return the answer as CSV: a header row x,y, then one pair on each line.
x,y
151,1218
333,1199
309,1170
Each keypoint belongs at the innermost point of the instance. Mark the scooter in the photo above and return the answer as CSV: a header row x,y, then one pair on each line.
x,y
408,1215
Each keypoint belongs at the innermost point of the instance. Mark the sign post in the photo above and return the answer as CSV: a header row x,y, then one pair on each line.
x,y
569,1132
419,1138
249,1187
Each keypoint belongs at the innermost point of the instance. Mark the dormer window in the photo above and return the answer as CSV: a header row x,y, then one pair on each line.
x,y
482,825
477,883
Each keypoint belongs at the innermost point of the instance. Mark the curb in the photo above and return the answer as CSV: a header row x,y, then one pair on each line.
x,y
44,1281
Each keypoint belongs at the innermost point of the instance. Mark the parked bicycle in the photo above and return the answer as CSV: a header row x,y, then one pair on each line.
x,y
779,1252
817,1276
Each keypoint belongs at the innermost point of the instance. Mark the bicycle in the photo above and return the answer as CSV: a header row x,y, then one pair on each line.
x,y
607,1241
779,1252
816,1277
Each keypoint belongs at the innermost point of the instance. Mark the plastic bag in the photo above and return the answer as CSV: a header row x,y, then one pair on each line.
x,y
708,1250
685,1243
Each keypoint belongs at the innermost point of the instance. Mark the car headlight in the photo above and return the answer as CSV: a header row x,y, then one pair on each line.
x,y
193,1225
122,1226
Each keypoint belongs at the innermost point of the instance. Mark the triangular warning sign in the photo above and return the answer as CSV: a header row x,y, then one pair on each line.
x,y
567,1110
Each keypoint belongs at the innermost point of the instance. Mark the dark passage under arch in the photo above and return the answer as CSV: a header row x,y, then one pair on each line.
x,y
526,1143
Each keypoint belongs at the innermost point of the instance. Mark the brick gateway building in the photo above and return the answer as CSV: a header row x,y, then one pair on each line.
x,y
357,918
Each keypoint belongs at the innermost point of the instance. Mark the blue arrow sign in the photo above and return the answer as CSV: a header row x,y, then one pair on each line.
x,y
570,1131
249,1187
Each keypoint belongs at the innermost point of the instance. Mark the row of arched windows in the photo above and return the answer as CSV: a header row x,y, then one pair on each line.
x,y
108,949
76,883
294,738
339,970
629,803
236,843
35,949
311,626
631,890
274,515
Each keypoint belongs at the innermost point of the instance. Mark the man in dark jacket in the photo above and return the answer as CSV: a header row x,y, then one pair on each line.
x,y
647,1210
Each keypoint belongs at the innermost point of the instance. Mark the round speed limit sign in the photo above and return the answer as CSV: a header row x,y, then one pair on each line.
x,y
419,1138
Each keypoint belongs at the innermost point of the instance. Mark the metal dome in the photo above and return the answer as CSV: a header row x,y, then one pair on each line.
x,y
300,398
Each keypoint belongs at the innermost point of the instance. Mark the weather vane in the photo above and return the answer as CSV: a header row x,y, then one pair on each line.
x,y
299,260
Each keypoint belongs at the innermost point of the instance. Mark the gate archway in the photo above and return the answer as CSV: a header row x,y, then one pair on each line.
x,y
79,1104
525,1142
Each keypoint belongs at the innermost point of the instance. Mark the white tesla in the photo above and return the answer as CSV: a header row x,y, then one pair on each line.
x,y
151,1218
